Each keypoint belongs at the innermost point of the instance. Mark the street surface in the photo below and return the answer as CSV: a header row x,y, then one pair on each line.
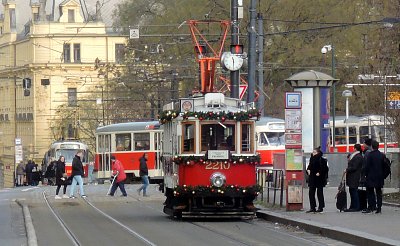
x,y
132,220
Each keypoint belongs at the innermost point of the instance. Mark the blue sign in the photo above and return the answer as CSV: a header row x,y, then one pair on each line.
x,y
393,104
293,99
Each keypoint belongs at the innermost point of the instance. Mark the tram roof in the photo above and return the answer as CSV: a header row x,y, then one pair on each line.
x,y
358,118
266,119
129,126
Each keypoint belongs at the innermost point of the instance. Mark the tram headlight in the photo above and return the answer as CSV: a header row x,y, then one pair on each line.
x,y
217,179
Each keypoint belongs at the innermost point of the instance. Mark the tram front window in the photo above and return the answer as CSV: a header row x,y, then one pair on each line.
x,y
69,154
272,138
216,137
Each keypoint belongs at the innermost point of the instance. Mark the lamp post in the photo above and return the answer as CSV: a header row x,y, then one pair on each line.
x,y
101,101
324,50
347,94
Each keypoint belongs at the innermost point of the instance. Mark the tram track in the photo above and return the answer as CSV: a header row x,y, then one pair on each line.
x,y
67,230
74,237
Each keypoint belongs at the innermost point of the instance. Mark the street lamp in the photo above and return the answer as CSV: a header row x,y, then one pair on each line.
x,y
347,94
324,50
101,100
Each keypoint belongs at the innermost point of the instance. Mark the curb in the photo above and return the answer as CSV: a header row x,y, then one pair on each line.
x,y
334,232
391,204
30,229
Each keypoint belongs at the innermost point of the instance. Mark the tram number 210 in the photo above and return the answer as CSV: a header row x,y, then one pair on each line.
x,y
218,165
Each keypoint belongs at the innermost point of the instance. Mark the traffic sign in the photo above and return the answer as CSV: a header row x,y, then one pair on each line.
x,y
134,33
242,90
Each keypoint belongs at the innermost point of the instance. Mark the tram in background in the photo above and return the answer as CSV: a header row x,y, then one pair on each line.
x,y
270,138
68,149
360,128
128,142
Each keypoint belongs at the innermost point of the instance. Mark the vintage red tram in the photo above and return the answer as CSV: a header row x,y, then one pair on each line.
x,y
209,156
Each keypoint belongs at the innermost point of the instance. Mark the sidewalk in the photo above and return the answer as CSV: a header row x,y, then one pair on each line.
x,y
355,228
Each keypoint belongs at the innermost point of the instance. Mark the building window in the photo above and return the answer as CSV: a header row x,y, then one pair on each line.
x,y
77,52
72,97
119,53
67,53
36,17
71,15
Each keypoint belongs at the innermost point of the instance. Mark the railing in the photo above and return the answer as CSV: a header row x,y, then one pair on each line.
x,y
271,180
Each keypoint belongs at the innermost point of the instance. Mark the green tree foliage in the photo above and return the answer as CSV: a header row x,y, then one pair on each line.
x,y
295,31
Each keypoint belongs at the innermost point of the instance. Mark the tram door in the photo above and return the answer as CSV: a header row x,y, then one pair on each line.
x,y
104,156
158,151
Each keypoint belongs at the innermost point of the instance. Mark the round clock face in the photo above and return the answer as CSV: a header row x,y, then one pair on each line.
x,y
232,62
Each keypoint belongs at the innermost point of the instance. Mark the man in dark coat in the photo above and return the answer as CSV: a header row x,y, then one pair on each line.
x,y
144,174
317,171
374,178
367,149
76,175
28,170
353,174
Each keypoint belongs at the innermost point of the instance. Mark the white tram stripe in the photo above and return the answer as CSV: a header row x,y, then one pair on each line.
x,y
122,225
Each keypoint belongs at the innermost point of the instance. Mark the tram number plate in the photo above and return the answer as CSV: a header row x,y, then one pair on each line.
x,y
218,165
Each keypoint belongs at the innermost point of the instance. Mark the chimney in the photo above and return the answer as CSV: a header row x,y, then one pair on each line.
x,y
10,20
42,10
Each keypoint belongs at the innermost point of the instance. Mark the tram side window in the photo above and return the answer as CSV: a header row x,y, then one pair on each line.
x,y
340,135
123,142
247,130
188,137
216,137
142,141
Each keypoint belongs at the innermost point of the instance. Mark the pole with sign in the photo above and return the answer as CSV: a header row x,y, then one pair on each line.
x,y
18,156
293,152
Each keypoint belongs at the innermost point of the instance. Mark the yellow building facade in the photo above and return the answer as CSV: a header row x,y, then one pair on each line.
x,y
51,62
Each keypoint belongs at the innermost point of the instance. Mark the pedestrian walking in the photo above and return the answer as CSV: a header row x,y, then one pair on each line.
x,y
20,174
144,174
317,170
119,172
374,178
28,169
61,177
76,175
36,174
353,174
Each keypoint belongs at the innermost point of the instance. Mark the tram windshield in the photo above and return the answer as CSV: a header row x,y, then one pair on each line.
x,y
215,136
272,138
69,154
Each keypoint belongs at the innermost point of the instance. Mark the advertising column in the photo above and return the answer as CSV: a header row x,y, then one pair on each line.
x,y
293,152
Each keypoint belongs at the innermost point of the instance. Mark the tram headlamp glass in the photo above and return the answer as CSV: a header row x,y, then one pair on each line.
x,y
218,179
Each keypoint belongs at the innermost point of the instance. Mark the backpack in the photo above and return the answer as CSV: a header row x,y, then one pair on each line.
x,y
386,167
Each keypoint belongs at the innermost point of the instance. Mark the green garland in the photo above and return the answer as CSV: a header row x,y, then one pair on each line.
x,y
227,190
192,159
169,115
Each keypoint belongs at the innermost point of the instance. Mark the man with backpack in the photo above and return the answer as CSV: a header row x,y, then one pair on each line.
x,y
374,178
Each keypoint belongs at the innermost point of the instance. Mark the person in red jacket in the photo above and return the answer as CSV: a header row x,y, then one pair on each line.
x,y
118,170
